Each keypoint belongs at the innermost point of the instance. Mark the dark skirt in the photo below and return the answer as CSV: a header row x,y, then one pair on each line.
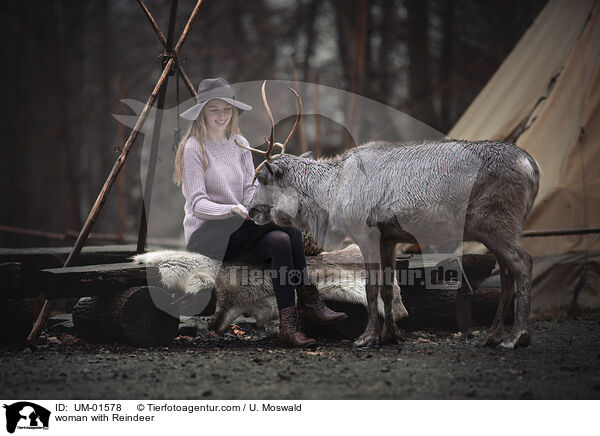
x,y
229,238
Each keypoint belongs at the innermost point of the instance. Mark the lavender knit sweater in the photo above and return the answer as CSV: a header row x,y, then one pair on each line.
x,y
227,181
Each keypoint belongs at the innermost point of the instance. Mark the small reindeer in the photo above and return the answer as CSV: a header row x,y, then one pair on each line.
x,y
383,193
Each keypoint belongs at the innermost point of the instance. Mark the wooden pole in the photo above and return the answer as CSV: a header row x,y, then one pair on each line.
x,y
148,186
188,26
99,238
121,179
111,237
539,233
163,40
32,232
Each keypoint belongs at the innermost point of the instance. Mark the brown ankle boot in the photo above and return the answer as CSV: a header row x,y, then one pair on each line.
x,y
290,333
312,309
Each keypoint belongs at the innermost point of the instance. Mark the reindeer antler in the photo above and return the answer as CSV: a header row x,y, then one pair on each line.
x,y
271,142
298,118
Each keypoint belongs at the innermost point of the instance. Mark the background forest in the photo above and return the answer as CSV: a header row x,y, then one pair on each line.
x,y
69,62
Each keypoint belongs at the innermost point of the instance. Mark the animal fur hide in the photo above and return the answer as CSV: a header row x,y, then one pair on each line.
x,y
339,276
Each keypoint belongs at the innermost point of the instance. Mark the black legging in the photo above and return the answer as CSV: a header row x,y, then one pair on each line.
x,y
256,244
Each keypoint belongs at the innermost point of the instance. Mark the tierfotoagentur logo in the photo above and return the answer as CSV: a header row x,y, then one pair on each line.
x,y
26,415
440,275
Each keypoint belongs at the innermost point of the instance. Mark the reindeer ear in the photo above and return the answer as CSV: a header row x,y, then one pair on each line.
x,y
309,155
268,165
276,171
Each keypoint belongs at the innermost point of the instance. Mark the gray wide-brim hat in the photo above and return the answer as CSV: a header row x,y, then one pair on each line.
x,y
210,89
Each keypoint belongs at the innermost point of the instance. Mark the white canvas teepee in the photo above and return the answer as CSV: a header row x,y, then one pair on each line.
x,y
545,96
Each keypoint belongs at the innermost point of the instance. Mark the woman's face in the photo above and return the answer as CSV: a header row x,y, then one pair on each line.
x,y
217,115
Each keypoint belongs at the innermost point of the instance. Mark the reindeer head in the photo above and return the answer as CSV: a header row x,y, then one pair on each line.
x,y
274,199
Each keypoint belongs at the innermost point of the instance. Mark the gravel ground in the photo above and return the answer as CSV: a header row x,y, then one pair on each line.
x,y
563,362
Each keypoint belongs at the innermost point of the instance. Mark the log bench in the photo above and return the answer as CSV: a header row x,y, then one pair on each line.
x,y
119,306
20,280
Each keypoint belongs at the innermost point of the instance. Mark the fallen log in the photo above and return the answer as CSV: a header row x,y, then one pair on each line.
x,y
17,281
19,267
54,257
339,275
92,280
16,319
113,286
453,309
10,278
130,316
242,288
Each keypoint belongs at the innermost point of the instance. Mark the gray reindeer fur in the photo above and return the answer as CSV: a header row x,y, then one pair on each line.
x,y
382,193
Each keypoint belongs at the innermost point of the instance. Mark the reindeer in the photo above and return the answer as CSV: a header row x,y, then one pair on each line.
x,y
383,193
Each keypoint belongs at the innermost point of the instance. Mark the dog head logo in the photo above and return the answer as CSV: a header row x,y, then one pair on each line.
x,y
26,415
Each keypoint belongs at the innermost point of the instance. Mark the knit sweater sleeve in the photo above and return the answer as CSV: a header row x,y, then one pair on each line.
x,y
194,188
248,165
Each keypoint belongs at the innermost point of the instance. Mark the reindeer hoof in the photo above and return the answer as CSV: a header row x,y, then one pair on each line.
x,y
366,340
391,334
519,339
492,339
508,344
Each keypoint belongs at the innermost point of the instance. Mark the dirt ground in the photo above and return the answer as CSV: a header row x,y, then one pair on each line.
x,y
563,362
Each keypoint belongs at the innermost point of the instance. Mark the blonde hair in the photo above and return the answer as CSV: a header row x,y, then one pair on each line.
x,y
198,130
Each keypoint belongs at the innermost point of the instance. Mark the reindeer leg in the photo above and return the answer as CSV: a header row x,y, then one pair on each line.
x,y
370,253
264,311
521,266
370,337
516,268
391,333
225,311
495,333
223,319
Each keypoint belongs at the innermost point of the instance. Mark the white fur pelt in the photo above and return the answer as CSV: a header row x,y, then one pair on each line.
x,y
185,274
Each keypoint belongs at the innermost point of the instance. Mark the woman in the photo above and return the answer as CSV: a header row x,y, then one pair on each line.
x,y
216,179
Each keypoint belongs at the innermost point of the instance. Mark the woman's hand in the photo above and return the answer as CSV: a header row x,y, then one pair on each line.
x,y
240,209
